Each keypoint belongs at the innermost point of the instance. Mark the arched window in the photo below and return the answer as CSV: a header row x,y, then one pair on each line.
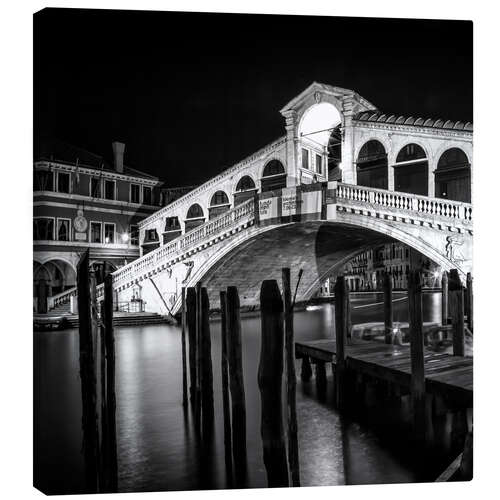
x,y
452,176
274,167
151,241
371,166
274,176
194,217
219,198
245,183
411,170
172,229
245,189
411,152
195,212
218,204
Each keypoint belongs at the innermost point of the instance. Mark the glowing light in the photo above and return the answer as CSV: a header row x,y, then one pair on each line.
x,y
106,239
125,237
436,274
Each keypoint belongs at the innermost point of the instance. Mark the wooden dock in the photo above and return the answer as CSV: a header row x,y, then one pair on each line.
x,y
446,375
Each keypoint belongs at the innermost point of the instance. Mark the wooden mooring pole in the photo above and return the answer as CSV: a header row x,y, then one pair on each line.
x,y
104,457
191,324
225,388
444,299
456,291
207,388
341,327
417,387
110,414
87,377
236,385
199,367
183,340
388,307
270,380
470,302
291,381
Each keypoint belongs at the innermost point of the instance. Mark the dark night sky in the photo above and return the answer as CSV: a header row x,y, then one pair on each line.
x,y
191,94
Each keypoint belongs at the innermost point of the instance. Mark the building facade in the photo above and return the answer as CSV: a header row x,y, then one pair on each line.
x,y
365,272
80,201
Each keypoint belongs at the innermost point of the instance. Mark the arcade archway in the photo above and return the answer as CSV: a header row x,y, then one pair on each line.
x,y
411,170
371,165
452,176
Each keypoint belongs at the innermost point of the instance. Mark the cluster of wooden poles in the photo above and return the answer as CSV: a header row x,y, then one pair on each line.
x,y
97,364
279,434
456,304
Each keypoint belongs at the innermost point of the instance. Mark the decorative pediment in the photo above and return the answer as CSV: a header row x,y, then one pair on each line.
x,y
343,99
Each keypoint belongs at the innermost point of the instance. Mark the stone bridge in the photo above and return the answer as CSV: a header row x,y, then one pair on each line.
x,y
316,227
343,178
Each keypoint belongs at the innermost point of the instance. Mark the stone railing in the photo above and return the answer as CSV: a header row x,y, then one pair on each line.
x,y
431,207
60,298
240,214
65,297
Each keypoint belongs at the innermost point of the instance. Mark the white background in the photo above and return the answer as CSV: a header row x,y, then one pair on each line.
x,y
16,247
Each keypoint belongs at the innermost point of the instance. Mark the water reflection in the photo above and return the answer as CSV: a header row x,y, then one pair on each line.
x,y
157,446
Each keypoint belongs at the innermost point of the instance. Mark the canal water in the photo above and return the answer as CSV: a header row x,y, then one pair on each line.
x,y
157,449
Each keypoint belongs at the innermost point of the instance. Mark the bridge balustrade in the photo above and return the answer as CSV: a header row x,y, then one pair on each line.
x,y
439,207
184,242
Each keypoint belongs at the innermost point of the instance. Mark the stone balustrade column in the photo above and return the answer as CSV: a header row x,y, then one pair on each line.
x,y
431,191
390,178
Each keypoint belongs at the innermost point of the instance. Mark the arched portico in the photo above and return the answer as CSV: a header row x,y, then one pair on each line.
x,y
411,170
273,176
245,188
194,217
452,176
219,203
372,165
50,278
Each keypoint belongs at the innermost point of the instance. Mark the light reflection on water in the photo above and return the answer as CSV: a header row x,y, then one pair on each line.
x,y
156,446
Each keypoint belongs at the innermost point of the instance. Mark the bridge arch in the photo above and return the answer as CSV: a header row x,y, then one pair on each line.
x,y
372,166
411,169
320,247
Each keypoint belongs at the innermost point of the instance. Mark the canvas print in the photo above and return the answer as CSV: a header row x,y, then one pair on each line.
x,y
252,251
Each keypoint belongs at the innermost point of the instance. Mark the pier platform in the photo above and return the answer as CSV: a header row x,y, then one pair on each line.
x,y
445,375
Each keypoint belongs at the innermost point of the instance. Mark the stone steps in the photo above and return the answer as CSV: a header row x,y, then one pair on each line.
x,y
66,321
